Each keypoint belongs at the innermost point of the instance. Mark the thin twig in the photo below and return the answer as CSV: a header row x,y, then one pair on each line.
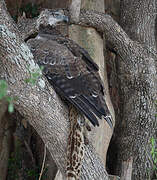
x,y
43,164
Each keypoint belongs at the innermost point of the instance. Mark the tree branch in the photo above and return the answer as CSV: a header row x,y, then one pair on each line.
x,y
104,23
39,103
137,80
75,10
89,39
115,36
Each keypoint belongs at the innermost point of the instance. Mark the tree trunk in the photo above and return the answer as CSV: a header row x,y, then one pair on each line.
x,y
89,39
136,74
136,56
39,104
138,88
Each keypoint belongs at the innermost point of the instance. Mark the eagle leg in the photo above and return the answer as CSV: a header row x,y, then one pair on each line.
x,y
75,150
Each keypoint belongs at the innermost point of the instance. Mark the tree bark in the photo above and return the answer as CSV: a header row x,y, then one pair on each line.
x,y
75,10
39,103
89,39
138,20
136,74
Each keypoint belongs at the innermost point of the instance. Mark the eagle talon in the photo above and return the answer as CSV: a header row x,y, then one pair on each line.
x,y
109,120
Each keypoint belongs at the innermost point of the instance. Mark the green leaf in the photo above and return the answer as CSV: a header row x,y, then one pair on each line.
x,y
11,108
3,89
41,68
153,142
34,76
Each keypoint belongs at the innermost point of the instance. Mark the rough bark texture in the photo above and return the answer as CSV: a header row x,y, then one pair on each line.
x,y
136,70
75,10
136,73
39,103
93,5
138,21
137,18
93,43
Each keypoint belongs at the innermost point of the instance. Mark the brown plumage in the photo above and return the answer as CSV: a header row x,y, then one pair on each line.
x,y
71,71
74,75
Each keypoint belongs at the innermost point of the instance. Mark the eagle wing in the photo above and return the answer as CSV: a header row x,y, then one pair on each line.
x,y
72,77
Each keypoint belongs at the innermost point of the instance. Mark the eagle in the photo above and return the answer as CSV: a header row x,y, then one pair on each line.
x,y
69,68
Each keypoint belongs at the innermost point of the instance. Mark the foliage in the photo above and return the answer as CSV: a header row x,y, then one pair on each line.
x,y
3,89
3,95
14,163
30,9
16,170
152,158
34,76
35,173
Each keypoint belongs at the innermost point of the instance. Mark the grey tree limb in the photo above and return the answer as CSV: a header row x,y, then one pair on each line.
x,y
75,10
136,73
92,41
137,80
39,104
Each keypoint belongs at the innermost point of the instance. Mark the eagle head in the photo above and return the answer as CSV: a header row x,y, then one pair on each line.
x,y
51,17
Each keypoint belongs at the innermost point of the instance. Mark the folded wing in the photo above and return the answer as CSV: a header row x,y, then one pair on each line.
x,y
73,77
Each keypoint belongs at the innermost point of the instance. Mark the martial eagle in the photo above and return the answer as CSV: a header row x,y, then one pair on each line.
x,y
69,68
74,75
